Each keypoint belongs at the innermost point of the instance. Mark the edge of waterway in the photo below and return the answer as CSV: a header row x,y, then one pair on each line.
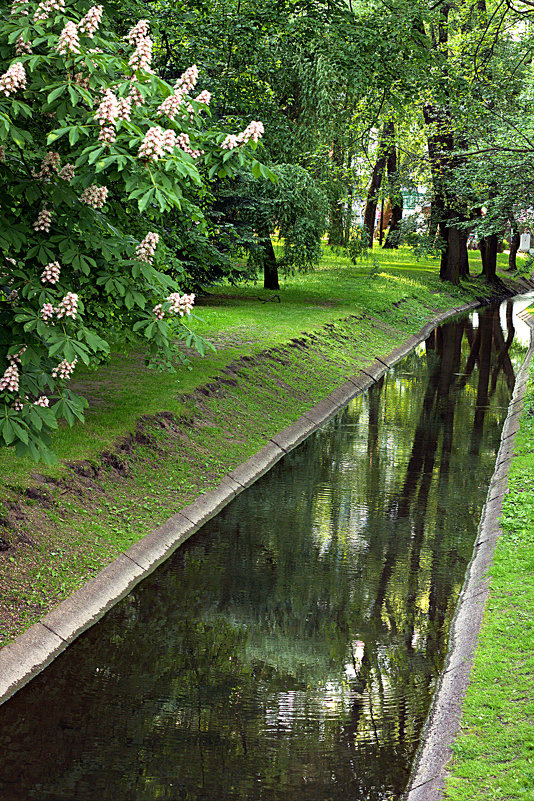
x,y
427,781
33,650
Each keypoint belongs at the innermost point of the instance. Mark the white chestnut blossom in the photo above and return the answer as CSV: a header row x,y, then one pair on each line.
x,y
89,24
45,8
95,196
147,247
67,172
69,41
68,307
13,79
10,379
152,146
138,32
204,97
181,304
43,221
47,312
187,79
22,47
64,369
51,273
141,58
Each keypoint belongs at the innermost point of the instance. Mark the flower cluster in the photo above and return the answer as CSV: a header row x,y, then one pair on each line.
x,y
49,164
67,172
42,400
47,312
138,32
183,142
68,41
141,57
187,80
254,130
181,304
45,8
147,247
22,47
94,196
108,108
2,153
43,221
51,273
68,306
10,379
156,143
64,369
13,79
14,358
107,114
135,95
89,24
20,6
124,105
204,97
171,105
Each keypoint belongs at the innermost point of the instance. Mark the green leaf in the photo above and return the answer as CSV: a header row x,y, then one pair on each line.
x,y
55,93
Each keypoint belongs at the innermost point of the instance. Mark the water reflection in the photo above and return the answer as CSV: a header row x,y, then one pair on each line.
x,y
291,649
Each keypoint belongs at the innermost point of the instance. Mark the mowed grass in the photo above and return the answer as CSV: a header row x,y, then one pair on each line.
x,y
237,321
64,524
494,753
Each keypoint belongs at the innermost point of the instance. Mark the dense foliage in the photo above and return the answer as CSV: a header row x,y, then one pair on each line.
x,y
92,138
114,164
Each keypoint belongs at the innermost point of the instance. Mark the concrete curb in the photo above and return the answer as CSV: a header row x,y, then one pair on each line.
x,y
427,780
35,648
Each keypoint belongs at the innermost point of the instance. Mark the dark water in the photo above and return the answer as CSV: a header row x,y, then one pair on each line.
x,y
290,650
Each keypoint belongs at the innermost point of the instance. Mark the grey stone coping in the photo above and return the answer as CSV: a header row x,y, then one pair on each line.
x,y
427,780
33,650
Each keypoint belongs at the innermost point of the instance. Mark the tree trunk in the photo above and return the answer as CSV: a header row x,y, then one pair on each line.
x,y
515,241
453,256
369,214
395,197
488,251
270,267
464,256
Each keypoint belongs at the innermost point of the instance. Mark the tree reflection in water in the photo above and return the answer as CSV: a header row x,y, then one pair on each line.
x,y
291,648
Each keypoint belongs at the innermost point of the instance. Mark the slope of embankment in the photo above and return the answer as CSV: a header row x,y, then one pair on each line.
x,y
149,447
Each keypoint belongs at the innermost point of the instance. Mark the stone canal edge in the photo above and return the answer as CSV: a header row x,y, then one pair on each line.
x,y
33,650
427,780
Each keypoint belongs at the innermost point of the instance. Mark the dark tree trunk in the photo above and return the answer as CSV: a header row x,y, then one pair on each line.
x,y
455,256
464,256
515,241
488,251
395,197
270,267
369,214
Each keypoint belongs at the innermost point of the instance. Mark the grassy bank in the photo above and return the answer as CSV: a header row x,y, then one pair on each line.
x,y
155,441
494,754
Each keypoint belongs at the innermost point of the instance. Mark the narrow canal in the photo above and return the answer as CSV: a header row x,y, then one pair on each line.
x,y
289,651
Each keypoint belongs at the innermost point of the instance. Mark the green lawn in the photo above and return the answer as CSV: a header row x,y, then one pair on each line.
x,y
62,524
494,754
